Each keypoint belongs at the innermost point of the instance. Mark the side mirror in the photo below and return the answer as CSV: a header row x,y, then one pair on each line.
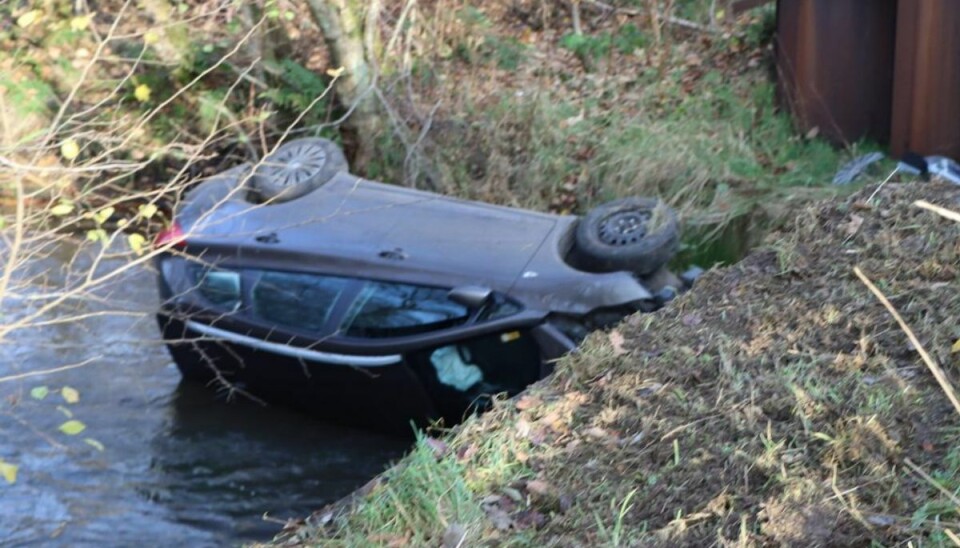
x,y
470,296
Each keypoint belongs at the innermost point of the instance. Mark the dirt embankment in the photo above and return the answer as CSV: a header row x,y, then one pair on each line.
x,y
776,404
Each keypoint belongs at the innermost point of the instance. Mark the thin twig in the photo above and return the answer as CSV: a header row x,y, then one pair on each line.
x,y
45,371
952,536
941,211
919,471
931,364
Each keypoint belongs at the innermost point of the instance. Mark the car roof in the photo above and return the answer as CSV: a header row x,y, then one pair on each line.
x,y
385,231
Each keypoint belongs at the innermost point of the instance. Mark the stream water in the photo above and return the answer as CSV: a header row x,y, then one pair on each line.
x,y
159,462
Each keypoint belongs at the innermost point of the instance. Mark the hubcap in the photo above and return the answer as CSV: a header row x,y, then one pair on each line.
x,y
624,228
296,164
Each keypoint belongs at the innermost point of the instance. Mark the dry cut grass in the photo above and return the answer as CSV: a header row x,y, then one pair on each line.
x,y
778,403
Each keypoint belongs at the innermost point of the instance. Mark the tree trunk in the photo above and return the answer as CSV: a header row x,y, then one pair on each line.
x,y
350,30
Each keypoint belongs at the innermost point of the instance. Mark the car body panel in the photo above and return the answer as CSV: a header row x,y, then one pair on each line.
x,y
351,225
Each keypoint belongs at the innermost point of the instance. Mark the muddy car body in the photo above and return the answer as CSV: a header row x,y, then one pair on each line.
x,y
376,304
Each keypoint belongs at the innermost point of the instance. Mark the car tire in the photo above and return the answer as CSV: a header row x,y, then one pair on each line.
x,y
297,168
617,236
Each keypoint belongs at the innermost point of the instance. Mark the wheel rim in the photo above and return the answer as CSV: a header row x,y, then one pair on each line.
x,y
624,228
292,166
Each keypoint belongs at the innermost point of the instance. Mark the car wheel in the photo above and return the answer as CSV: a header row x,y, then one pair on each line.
x,y
635,234
297,168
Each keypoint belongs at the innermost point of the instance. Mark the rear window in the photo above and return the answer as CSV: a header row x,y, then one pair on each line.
x,y
219,287
302,301
394,310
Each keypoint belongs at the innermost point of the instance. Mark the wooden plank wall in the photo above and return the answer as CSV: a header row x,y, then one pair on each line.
x,y
835,69
926,93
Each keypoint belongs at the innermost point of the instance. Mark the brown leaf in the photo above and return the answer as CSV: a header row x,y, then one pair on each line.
x,y
597,433
530,518
850,228
454,536
617,340
440,449
538,487
501,520
691,320
528,402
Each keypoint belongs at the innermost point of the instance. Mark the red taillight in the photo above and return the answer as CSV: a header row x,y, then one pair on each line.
x,y
172,235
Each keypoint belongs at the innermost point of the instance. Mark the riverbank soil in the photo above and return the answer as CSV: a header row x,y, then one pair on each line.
x,y
777,403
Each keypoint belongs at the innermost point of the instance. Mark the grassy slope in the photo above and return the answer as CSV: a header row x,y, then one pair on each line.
x,y
777,403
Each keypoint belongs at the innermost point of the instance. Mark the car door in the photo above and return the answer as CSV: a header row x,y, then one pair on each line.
x,y
465,356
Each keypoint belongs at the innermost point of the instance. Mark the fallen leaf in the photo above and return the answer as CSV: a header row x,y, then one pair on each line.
x,y
538,487
513,494
501,520
597,433
812,134
438,447
8,471
72,427
530,518
335,72
39,392
850,228
528,402
70,394
94,443
691,320
617,340
956,347
454,536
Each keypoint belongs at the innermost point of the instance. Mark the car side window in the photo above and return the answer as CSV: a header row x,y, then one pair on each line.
x,y
395,310
302,301
220,287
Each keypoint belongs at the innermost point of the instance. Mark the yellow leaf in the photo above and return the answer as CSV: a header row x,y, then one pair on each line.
x,y
94,443
61,209
70,395
97,234
73,427
956,347
81,22
721,14
147,210
142,93
335,73
69,149
103,215
8,471
136,242
151,37
29,18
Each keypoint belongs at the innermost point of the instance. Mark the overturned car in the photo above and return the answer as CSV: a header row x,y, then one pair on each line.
x,y
379,305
